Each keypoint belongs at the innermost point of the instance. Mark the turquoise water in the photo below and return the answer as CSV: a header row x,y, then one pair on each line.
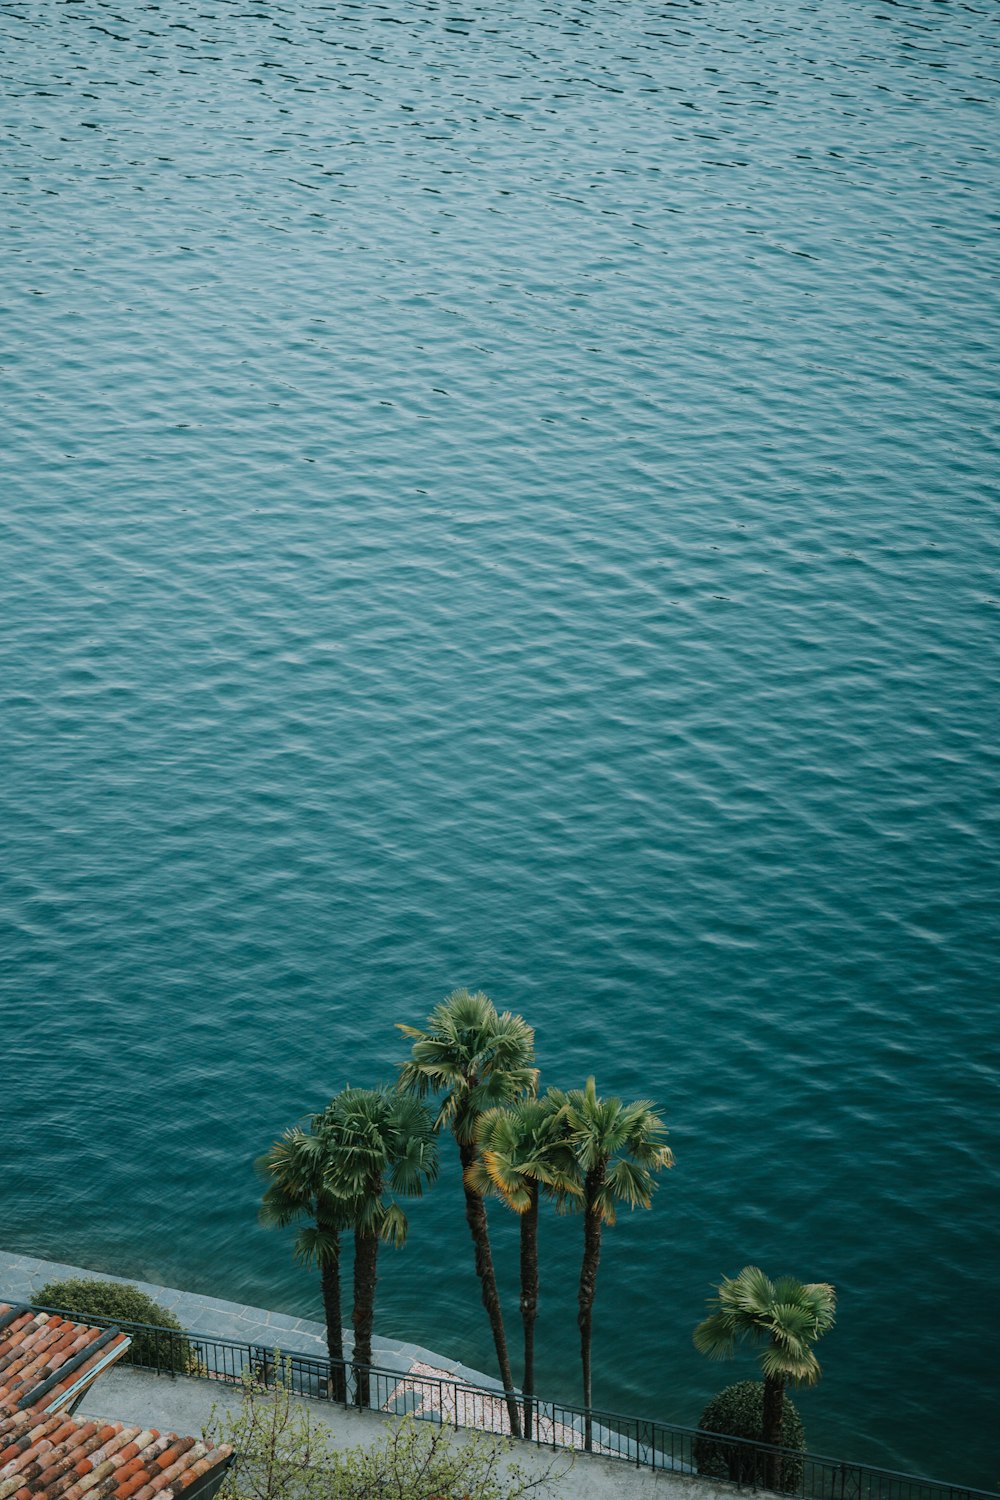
x,y
504,498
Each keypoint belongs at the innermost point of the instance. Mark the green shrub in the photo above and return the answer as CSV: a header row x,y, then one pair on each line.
x,y
738,1411
161,1344
285,1452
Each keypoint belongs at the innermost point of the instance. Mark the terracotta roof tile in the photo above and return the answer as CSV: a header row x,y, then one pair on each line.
x,y
46,1456
49,1361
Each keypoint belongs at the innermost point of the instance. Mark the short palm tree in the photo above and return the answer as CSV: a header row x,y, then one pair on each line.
x,y
295,1170
789,1316
618,1147
474,1059
523,1151
380,1145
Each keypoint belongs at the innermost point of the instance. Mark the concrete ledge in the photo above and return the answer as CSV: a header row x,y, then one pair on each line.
x,y
214,1317
181,1404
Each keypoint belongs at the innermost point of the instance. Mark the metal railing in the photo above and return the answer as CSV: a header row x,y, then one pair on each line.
x,y
641,1442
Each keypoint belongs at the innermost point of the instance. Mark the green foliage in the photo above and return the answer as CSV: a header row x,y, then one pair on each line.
x,y
295,1171
337,1171
160,1345
281,1452
618,1147
475,1060
738,1411
285,1453
789,1314
374,1140
471,1056
521,1145
346,1170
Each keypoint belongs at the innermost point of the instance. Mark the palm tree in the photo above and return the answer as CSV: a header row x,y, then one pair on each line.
x,y
522,1151
295,1168
790,1316
618,1147
475,1059
379,1142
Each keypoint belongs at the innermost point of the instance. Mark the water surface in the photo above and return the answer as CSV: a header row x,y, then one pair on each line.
x,y
505,499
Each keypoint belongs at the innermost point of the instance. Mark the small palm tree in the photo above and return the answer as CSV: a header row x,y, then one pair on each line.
x,y
475,1059
789,1316
618,1147
523,1151
379,1142
295,1169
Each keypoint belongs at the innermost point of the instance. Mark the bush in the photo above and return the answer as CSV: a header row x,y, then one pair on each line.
x,y
285,1452
738,1411
161,1345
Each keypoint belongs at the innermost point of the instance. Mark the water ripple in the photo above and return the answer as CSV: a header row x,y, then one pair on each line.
x,y
512,504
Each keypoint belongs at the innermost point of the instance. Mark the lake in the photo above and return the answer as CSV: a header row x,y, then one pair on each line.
x,y
507,499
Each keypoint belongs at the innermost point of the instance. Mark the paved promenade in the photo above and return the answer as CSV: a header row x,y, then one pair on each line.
x,y
22,1275
179,1404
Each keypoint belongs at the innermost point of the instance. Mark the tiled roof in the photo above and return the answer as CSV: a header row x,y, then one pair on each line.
x,y
49,1456
47,1361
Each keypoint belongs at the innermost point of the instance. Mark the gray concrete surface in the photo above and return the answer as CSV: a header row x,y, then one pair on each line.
x,y
184,1405
22,1275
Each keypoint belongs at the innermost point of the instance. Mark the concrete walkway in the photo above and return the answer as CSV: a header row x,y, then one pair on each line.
x,y
22,1275
180,1404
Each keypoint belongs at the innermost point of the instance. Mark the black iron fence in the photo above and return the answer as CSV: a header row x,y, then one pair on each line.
x,y
434,1397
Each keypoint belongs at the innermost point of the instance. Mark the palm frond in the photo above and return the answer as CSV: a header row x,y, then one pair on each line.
x,y
477,1179
394,1226
278,1208
617,1146
822,1298
801,1368
472,1057
603,1204
630,1183
316,1247
788,1316
750,1293
509,1184
716,1337
793,1326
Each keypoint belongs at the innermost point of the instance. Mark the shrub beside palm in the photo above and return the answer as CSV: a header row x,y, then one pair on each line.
x,y
738,1411
788,1316
158,1343
283,1452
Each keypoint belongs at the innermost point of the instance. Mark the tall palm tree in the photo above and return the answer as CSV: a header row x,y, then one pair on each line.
x,y
523,1150
295,1169
618,1147
380,1143
475,1059
789,1316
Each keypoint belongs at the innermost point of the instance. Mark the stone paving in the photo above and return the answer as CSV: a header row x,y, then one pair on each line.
x,y
418,1370
181,1404
22,1275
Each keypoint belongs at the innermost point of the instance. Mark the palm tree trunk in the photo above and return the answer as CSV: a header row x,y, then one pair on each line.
x,y
363,1318
330,1283
588,1289
475,1213
773,1425
529,1299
